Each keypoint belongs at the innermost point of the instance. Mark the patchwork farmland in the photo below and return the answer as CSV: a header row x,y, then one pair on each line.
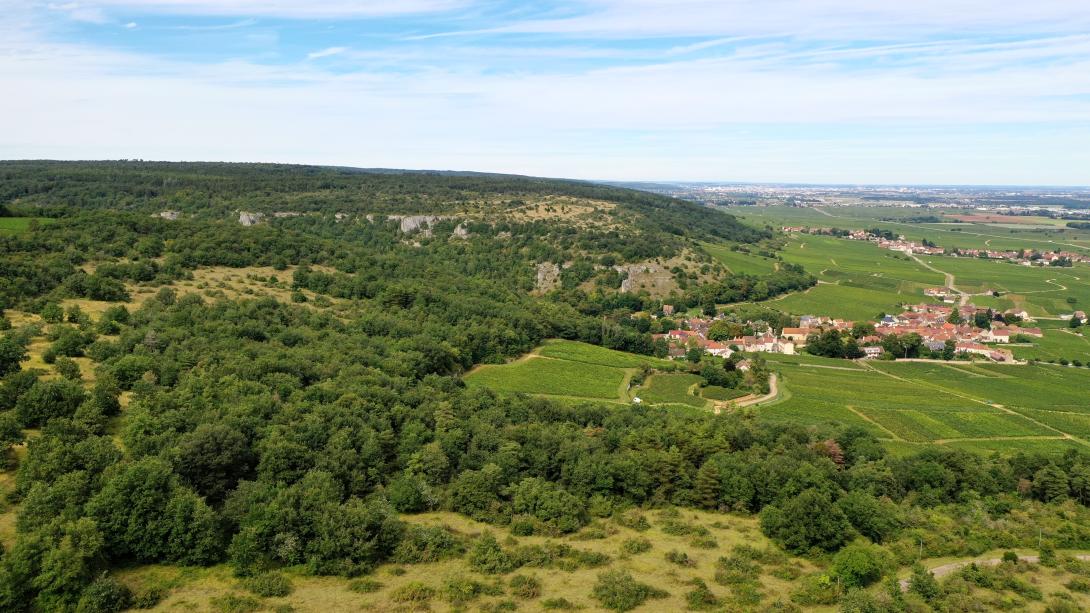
x,y
909,405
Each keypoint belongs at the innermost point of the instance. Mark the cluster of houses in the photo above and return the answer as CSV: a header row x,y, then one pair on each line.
x,y
932,322
696,336
1025,257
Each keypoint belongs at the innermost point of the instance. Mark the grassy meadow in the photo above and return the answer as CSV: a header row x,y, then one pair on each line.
x,y
568,584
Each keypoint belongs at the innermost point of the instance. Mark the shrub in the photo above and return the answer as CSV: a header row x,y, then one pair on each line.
x,y
364,586
233,603
460,590
525,586
149,598
46,400
618,591
268,584
486,556
67,368
409,494
414,592
632,519
859,565
735,570
1010,556
700,597
704,542
809,520
549,503
1078,585
923,583
558,604
105,595
636,546
680,558
423,544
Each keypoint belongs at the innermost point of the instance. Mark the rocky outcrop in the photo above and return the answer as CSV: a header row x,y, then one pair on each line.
x,y
460,232
168,215
414,223
645,275
249,219
548,276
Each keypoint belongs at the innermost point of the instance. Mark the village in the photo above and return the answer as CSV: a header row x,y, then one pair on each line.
x,y
956,331
886,240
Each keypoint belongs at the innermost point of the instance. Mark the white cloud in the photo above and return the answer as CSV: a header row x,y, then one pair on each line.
x,y
326,52
812,19
130,26
80,12
289,9
941,111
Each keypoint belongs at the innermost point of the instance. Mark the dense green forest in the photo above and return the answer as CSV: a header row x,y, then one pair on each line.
x,y
271,433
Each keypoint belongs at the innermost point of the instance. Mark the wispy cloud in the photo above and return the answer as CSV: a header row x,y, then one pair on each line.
x,y
328,51
718,90
287,9
80,12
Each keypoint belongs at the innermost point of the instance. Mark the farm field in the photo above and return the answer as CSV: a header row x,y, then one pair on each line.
x,y
856,280
593,354
975,407
577,372
1041,233
539,375
740,263
1058,343
671,389
16,225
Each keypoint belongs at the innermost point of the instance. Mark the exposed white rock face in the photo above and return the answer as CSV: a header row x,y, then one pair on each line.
x,y
168,215
548,276
634,272
249,219
283,214
460,232
340,216
412,223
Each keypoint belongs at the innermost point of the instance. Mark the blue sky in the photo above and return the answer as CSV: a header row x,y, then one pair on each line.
x,y
826,91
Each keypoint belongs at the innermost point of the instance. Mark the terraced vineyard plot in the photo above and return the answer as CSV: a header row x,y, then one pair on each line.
x,y
671,389
739,262
1076,424
548,376
1056,344
858,280
852,303
1042,387
576,372
714,392
904,407
811,413
593,354
1034,446
865,262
